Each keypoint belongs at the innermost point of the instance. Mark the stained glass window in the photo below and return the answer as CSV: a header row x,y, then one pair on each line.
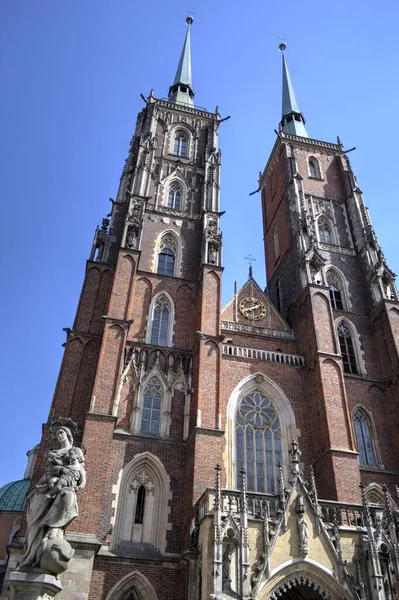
x,y
258,443
160,321
364,440
174,198
347,349
151,416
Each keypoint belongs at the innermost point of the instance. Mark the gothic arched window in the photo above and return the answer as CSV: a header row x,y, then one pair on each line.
x,y
151,415
130,595
160,321
175,196
347,349
258,443
314,168
335,285
364,439
166,262
325,236
180,146
276,243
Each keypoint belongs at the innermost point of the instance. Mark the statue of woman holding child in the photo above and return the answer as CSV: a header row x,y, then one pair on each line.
x,y
52,505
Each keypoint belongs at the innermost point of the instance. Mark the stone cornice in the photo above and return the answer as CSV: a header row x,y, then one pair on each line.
x,y
200,111
262,331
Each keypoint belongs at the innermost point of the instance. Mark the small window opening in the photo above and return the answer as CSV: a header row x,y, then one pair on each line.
x,y
335,297
347,349
174,198
166,263
140,505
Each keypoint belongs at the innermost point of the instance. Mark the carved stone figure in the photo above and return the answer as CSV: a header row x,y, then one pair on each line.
x,y
212,254
303,536
52,505
131,238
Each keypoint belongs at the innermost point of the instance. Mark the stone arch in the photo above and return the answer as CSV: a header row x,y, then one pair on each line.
x,y
265,385
146,469
374,493
310,574
136,581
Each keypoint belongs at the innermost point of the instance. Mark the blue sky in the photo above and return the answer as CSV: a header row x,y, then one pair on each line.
x,y
71,73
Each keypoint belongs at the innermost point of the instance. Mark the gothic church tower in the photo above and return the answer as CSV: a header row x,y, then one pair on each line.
x,y
248,452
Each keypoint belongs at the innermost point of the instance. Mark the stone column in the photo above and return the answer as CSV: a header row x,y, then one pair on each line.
x,y
32,586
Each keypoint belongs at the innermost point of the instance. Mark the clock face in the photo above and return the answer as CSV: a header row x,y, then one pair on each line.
x,y
252,308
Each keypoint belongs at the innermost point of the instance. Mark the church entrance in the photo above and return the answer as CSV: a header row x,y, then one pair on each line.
x,y
301,592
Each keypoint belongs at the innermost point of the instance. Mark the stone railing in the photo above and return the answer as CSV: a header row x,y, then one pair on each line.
x,y
256,354
345,515
231,504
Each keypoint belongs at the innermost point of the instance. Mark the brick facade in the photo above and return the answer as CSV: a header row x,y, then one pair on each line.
x,y
109,358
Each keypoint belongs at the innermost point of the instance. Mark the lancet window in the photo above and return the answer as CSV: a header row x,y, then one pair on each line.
x,y
150,418
175,196
314,168
365,446
325,235
347,349
335,285
180,146
168,254
160,321
258,443
166,262
131,595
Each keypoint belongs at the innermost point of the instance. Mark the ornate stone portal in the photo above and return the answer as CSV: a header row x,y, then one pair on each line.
x,y
51,506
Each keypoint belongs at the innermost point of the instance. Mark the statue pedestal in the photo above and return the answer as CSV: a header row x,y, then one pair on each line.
x,y
32,586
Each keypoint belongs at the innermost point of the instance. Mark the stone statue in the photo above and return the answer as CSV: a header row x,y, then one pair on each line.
x,y
303,536
52,505
131,238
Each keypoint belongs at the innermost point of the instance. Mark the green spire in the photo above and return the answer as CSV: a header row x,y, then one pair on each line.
x,y
181,91
292,120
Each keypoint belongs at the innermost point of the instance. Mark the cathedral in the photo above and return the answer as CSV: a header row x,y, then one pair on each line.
x,y
248,452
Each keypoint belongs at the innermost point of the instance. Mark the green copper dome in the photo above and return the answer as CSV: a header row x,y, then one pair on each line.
x,y
13,495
